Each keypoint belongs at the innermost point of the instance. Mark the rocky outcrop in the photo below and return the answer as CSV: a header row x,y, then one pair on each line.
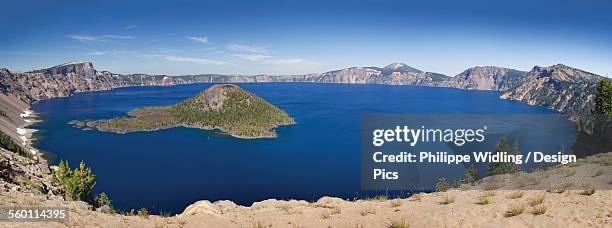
x,y
487,78
558,87
85,69
25,175
393,74
359,75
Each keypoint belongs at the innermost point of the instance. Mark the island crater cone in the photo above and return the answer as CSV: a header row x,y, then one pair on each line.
x,y
226,107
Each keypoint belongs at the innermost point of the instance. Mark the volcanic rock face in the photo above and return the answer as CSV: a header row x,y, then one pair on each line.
x,y
66,79
85,69
393,74
487,78
359,75
557,87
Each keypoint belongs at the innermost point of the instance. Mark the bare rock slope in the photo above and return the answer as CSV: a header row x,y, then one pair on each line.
x,y
558,87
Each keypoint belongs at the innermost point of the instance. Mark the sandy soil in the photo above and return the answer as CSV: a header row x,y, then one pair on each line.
x,y
469,206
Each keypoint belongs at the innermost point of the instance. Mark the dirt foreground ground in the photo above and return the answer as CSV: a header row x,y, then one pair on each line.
x,y
564,196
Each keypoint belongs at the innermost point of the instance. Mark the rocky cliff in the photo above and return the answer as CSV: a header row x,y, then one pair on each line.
x,y
487,78
393,74
558,87
66,79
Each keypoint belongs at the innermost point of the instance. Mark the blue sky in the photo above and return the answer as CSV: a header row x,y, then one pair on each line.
x,y
295,37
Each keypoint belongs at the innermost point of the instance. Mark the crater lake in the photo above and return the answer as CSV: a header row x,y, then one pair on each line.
x,y
319,156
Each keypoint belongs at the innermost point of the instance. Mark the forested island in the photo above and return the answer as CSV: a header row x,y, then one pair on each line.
x,y
226,107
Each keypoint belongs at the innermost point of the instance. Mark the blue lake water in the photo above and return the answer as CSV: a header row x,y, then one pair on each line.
x,y
170,169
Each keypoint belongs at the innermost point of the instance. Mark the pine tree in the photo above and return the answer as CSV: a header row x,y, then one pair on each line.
x,y
442,185
500,167
471,174
603,98
78,183
515,151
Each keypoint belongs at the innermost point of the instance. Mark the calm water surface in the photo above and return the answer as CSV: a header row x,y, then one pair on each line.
x,y
170,169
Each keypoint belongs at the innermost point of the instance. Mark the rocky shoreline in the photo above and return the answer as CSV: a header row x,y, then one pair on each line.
x,y
88,125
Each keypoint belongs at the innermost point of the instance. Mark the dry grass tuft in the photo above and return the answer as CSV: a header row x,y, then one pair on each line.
x,y
516,195
483,200
396,202
588,191
368,211
398,224
448,199
416,197
559,188
328,213
181,223
380,198
257,224
515,210
489,193
539,210
536,200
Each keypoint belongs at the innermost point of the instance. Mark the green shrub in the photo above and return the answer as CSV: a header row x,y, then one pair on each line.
x,y
442,185
143,212
471,175
102,199
77,183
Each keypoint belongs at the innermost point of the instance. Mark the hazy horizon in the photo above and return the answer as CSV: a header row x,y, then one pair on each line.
x,y
301,37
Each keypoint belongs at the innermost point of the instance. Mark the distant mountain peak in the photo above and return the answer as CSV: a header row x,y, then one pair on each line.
x,y
395,65
564,72
78,62
400,67
563,66
486,67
